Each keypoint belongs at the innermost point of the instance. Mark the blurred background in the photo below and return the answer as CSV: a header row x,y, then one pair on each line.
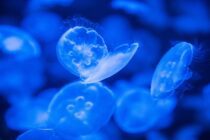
x,y
34,76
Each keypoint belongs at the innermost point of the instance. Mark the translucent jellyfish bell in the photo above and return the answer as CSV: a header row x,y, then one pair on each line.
x,y
172,70
84,53
80,109
136,111
17,44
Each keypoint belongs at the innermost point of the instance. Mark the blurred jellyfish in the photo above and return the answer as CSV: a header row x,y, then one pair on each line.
x,y
22,71
30,113
120,87
172,70
80,109
16,44
190,17
142,79
43,25
190,132
201,105
165,108
155,135
206,93
38,5
136,111
39,134
84,53
116,30
149,11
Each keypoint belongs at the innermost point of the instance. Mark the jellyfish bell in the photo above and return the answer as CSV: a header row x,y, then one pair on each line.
x,y
172,70
136,111
81,48
86,109
84,53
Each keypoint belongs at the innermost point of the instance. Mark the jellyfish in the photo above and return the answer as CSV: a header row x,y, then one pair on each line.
x,y
21,68
84,53
191,131
136,111
80,109
38,25
172,70
39,5
14,43
39,134
30,113
151,12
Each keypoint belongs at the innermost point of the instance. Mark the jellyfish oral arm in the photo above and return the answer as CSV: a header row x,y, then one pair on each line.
x,y
111,64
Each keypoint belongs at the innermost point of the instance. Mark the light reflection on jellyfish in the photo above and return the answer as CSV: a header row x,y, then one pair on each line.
x,y
84,53
80,109
172,70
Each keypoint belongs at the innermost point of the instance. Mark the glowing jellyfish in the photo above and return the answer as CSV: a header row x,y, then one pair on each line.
x,y
172,70
39,134
84,53
136,111
17,44
80,109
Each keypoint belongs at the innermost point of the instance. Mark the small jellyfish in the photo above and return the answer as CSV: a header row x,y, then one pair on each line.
x,y
17,44
136,111
84,53
39,134
172,70
80,109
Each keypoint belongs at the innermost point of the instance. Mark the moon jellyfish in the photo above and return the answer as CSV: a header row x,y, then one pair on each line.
x,y
39,134
84,53
15,43
172,70
136,111
80,109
